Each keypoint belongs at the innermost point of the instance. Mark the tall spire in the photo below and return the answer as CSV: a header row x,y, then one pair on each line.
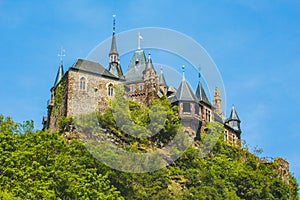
x,y
113,54
60,72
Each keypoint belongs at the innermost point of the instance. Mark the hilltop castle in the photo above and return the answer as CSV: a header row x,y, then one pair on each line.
x,y
87,86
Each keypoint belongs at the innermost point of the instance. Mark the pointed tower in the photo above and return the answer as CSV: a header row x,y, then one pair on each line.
x,y
233,129
163,87
114,64
206,107
188,108
218,102
59,75
150,78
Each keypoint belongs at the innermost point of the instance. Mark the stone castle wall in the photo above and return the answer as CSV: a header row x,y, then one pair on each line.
x,y
90,99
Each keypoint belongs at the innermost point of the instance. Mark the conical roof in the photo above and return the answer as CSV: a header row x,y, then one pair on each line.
x,y
234,121
113,48
201,95
59,75
233,115
162,80
149,64
184,93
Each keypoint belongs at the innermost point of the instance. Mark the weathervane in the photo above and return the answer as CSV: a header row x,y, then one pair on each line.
x,y
139,40
62,54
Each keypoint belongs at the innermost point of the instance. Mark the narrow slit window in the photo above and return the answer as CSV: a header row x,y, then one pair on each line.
x,y
82,83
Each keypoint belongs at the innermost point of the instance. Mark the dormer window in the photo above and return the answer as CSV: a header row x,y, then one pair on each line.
x,y
82,83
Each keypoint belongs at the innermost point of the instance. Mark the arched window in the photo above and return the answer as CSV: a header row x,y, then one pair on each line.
x,y
141,87
82,83
110,90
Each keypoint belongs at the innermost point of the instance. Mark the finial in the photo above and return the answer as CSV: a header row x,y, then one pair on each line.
x,y
149,56
139,40
161,70
114,23
183,72
199,74
62,54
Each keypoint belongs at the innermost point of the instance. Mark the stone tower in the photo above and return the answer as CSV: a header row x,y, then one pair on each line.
x,y
218,102
151,80
232,127
188,109
206,107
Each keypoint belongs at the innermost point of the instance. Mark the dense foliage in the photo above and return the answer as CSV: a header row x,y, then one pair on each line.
x,y
42,165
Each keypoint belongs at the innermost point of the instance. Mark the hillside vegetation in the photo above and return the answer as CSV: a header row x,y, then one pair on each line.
x,y
43,165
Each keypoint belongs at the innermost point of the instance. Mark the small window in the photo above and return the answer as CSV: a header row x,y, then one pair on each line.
x,y
82,83
132,88
186,107
196,109
110,90
226,135
141,87
235,124
208,115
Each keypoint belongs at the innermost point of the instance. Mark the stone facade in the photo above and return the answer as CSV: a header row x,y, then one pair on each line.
x,y
87,86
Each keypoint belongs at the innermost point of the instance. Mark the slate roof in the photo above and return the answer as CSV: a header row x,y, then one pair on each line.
x,y
136,67
91,67
233,115
233,118
184,93
113,48
149,64
201,95
60,74
162,80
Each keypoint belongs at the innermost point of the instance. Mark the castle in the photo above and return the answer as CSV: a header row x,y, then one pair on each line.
x,y
87,86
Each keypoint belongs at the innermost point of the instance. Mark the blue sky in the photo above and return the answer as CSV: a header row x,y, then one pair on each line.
x,y
255,45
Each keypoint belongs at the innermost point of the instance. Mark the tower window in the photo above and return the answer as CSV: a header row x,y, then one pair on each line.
x,y
186,107
141,87
208,115
132,88
196,109
82,83
110,90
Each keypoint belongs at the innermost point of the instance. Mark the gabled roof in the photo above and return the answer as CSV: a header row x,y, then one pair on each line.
x,y
201,95
184,93
136,67
116,69
91,67
60,74
113,48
